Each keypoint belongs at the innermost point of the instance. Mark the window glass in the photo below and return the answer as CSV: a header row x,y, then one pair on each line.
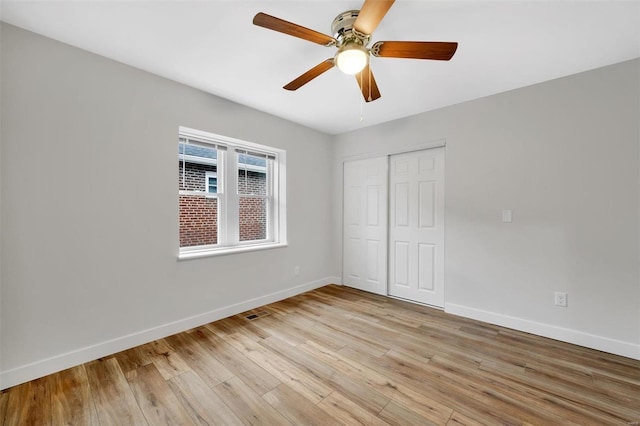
x,y
253,218
252,174
212,182
198,213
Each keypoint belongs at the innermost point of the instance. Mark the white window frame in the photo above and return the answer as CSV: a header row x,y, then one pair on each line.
x,y
228,196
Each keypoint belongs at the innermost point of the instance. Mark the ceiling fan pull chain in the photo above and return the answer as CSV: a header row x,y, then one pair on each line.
x,y
369,83
361,99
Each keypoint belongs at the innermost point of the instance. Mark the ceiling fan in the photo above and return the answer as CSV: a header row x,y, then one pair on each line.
x,y
352,32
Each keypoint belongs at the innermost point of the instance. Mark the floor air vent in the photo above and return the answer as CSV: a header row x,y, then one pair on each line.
x,y
257,315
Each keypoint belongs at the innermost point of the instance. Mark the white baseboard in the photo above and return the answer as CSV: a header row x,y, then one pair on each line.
x,y
61,362
618,347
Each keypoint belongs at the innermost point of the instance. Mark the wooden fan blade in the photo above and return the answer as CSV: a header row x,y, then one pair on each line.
x,y
438,50
368,84
314,72
286,27
371,14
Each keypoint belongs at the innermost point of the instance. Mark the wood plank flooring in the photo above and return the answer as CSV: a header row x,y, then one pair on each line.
x,y
338,356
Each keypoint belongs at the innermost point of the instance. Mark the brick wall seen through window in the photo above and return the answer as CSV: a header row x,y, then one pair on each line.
x,y
199,213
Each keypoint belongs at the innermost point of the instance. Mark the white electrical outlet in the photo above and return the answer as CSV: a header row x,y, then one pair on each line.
x,y
296,271
561,298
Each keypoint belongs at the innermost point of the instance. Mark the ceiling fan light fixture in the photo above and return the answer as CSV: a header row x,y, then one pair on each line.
x,y
352,58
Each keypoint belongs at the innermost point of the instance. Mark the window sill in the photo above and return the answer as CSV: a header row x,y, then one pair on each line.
x,y
195,254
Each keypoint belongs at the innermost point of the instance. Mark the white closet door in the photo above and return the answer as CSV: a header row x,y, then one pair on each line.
x,y
364,246
416,226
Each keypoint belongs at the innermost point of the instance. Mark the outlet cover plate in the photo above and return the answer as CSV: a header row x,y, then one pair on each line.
x,y
561,298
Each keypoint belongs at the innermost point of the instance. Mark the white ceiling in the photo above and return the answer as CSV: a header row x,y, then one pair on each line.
x,y
213,46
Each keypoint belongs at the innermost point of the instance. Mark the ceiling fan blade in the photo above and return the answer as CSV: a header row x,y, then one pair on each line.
x,y
314,72
368,84
438,50
371,14
286,27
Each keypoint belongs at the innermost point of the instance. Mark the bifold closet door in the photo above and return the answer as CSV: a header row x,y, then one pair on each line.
x,y
416,226
364,264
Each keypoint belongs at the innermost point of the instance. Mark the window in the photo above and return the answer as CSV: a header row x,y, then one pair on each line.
x,y
211,179
231,195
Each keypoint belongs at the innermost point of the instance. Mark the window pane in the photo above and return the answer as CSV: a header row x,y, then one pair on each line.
x,y
212,186
198,220
253,218
252,175
198,214
193,167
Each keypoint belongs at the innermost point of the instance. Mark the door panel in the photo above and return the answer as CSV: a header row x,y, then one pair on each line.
x,y
401,264
365,225
373,200
352,258
427,204
416,230
426,260
373,257
401,204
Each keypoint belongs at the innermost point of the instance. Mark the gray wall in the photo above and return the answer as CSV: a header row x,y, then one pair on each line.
x,y
564,156
90,205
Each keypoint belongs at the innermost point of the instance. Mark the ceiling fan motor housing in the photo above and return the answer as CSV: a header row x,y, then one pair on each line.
x,y
343,31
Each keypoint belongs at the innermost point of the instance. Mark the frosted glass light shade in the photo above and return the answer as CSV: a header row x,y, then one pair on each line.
x,y
351,59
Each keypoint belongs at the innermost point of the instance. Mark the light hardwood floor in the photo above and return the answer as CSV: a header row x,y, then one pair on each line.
x,y
338,356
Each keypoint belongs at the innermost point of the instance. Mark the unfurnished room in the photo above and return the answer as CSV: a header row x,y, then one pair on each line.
x,y
322,212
